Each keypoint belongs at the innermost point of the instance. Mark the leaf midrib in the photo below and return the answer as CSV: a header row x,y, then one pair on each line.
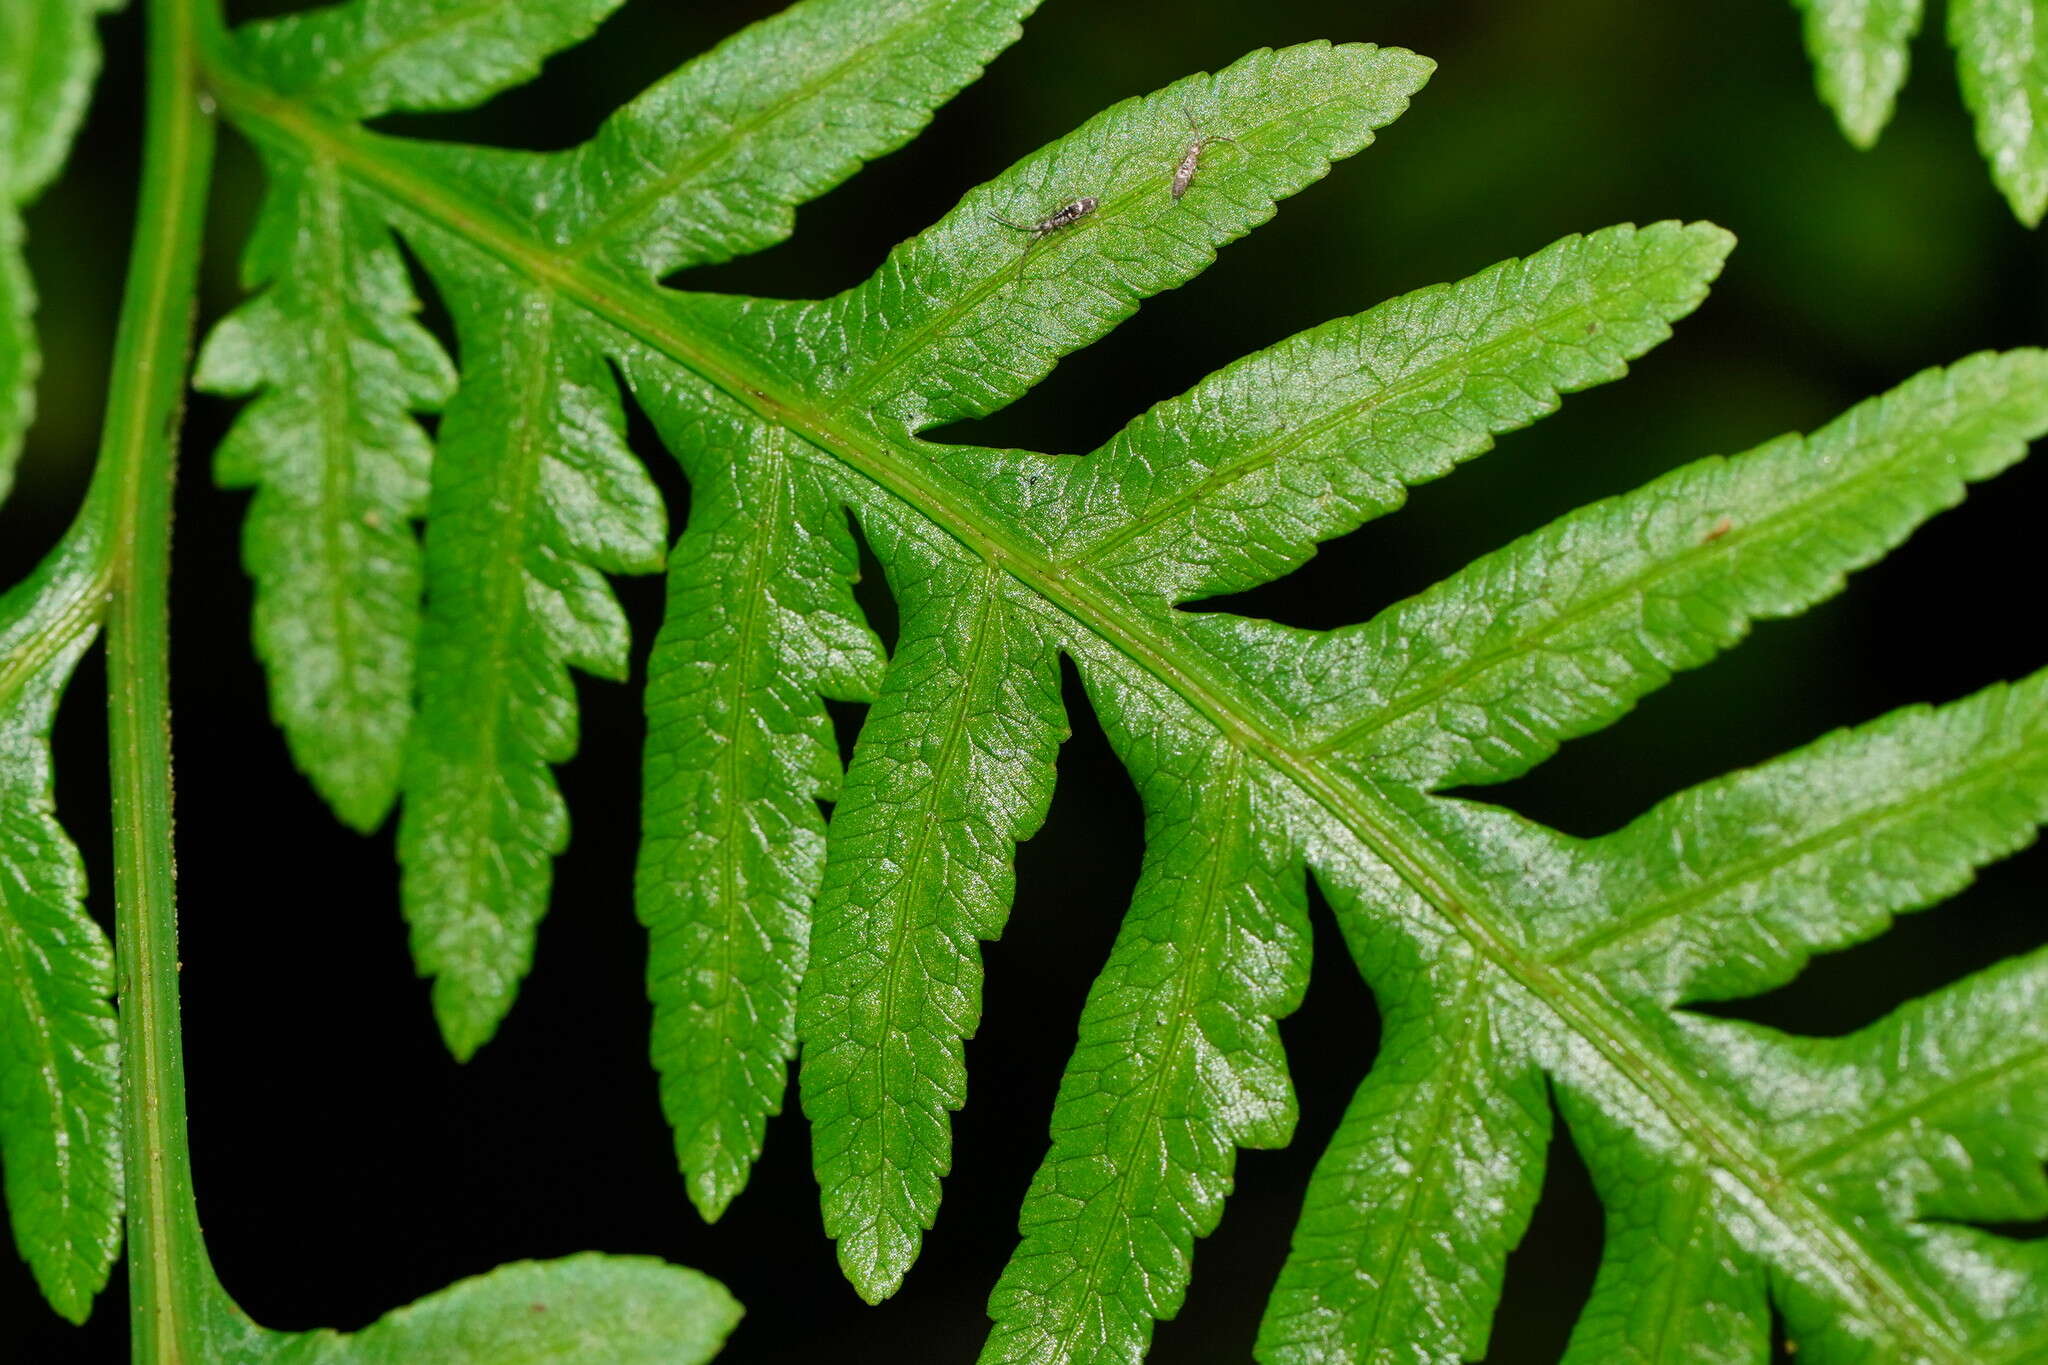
x,y
901,926
337,453
726,1102
503,609
1410,851
1463,1059
1668,1326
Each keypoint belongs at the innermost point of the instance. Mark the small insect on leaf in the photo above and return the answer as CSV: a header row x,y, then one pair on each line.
x,y
1065,216
1191,159
1720,528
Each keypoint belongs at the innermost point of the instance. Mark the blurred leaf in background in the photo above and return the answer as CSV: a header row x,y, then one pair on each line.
x,y
1859,50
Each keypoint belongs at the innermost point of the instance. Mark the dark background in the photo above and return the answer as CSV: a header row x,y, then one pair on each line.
x,y
345,1165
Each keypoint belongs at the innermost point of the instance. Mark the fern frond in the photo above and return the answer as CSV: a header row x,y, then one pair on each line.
x,y
1576,952
1721,892
968,749
1512,962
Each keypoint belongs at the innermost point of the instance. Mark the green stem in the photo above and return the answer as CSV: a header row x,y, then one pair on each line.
x,y
172,1289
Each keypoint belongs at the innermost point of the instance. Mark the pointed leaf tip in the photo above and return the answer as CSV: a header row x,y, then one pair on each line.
x,y
1860,51
2001,54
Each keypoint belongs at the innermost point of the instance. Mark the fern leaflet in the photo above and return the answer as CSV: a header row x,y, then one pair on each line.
x,y
60,1142
48,59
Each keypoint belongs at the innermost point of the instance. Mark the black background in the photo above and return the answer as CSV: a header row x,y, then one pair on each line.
x,y
345,1165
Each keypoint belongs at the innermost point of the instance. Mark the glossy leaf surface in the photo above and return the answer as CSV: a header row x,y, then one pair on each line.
x,y
60,1072
60,1145
1513,963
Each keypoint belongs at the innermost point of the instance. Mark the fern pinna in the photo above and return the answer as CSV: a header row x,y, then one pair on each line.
x,y
1742,1168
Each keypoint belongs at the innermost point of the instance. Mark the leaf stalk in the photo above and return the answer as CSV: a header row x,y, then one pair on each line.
x,y
172,1288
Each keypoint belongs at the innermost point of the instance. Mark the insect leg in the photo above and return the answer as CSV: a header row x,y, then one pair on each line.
x,y
1034,233
1025,255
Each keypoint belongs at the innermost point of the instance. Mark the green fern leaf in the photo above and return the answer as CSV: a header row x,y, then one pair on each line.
x,y
341,470
1722,892
482,818
340,466
49,56
1512,962
60,1136
581,1310
533,457
359,60
1934,1114
761,622
967,750
2002,59
1859,56
1212,492
953,768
